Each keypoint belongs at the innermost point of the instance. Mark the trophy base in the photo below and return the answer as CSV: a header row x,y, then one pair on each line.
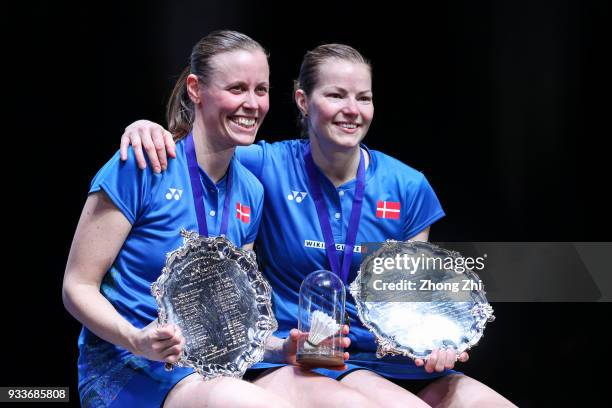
x,y
318,360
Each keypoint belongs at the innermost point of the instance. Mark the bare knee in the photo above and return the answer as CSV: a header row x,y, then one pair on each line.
x,y
462,391
350,397
310,389
382,391
402,400
222,392
232,392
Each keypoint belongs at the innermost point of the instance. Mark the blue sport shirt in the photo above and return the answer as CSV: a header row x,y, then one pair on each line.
x,y
398,204
158,206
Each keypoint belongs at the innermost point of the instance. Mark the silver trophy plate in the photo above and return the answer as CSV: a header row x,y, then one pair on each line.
x,y
412,319
214,292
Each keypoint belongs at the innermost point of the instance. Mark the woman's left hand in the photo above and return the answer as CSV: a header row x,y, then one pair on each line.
x,y
440,360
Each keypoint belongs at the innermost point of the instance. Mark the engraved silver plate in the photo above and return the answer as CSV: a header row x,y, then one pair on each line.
x,y
214,292
414,322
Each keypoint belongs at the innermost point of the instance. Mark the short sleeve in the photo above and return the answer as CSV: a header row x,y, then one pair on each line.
x,y
126,185
252,157
254,228
423,208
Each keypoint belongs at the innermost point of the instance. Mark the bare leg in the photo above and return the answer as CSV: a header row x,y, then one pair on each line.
x,y
383,391
193,391
307,389
458,390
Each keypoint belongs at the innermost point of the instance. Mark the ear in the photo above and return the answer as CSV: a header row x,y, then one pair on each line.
x,y
301,101
193,88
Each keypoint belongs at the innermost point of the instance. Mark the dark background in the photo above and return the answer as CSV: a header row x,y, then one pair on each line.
x,y
503,105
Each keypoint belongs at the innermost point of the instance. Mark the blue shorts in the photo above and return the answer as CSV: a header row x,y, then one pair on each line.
x,y
392,367
132,382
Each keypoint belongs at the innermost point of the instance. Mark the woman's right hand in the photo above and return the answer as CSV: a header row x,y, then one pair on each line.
x,y
157,343
290,346
151,137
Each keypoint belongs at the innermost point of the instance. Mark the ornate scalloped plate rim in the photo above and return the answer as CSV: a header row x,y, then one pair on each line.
x,y
387,345
191,240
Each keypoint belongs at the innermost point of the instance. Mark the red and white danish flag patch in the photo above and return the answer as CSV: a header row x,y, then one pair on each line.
x,y
388,209
243,212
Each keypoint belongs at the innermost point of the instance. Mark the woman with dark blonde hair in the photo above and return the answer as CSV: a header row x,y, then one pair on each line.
x,y
131,219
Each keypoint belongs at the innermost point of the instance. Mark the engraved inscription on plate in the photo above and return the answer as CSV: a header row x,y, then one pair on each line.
x,y
416,306
215,294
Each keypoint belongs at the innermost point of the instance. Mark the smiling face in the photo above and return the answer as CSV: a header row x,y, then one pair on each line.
x,y
234,101
340,108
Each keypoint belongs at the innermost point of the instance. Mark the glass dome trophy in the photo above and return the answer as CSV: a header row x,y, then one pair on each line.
x,y
321,318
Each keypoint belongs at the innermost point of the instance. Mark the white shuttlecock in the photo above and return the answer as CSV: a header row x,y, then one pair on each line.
x,y
321,327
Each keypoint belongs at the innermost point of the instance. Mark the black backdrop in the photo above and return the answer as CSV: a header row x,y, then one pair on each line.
x,y
503,105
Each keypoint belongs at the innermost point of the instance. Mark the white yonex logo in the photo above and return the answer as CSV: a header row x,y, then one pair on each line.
x,y
174,193
297,195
